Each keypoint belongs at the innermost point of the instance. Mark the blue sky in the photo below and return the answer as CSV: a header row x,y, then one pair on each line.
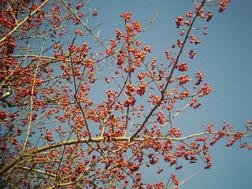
x,y
225,57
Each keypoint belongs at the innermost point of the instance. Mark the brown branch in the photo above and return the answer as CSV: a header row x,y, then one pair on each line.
x,y
170,75
115,139
103,140
36,170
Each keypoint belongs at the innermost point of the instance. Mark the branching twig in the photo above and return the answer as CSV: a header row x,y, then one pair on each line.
x,y
23,21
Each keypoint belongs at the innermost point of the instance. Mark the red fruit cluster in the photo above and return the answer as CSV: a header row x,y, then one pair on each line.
x,y
183,67
205,90
235,138
2,115
223,5
183,79
161,118
126,16
179,21
175,179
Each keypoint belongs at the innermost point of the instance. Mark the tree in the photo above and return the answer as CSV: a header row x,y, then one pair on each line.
x,y
82,113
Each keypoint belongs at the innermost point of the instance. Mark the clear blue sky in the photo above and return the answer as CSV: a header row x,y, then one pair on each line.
x,y
225,56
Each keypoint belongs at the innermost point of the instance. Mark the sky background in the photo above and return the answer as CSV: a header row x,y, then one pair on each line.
x,y
224,56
